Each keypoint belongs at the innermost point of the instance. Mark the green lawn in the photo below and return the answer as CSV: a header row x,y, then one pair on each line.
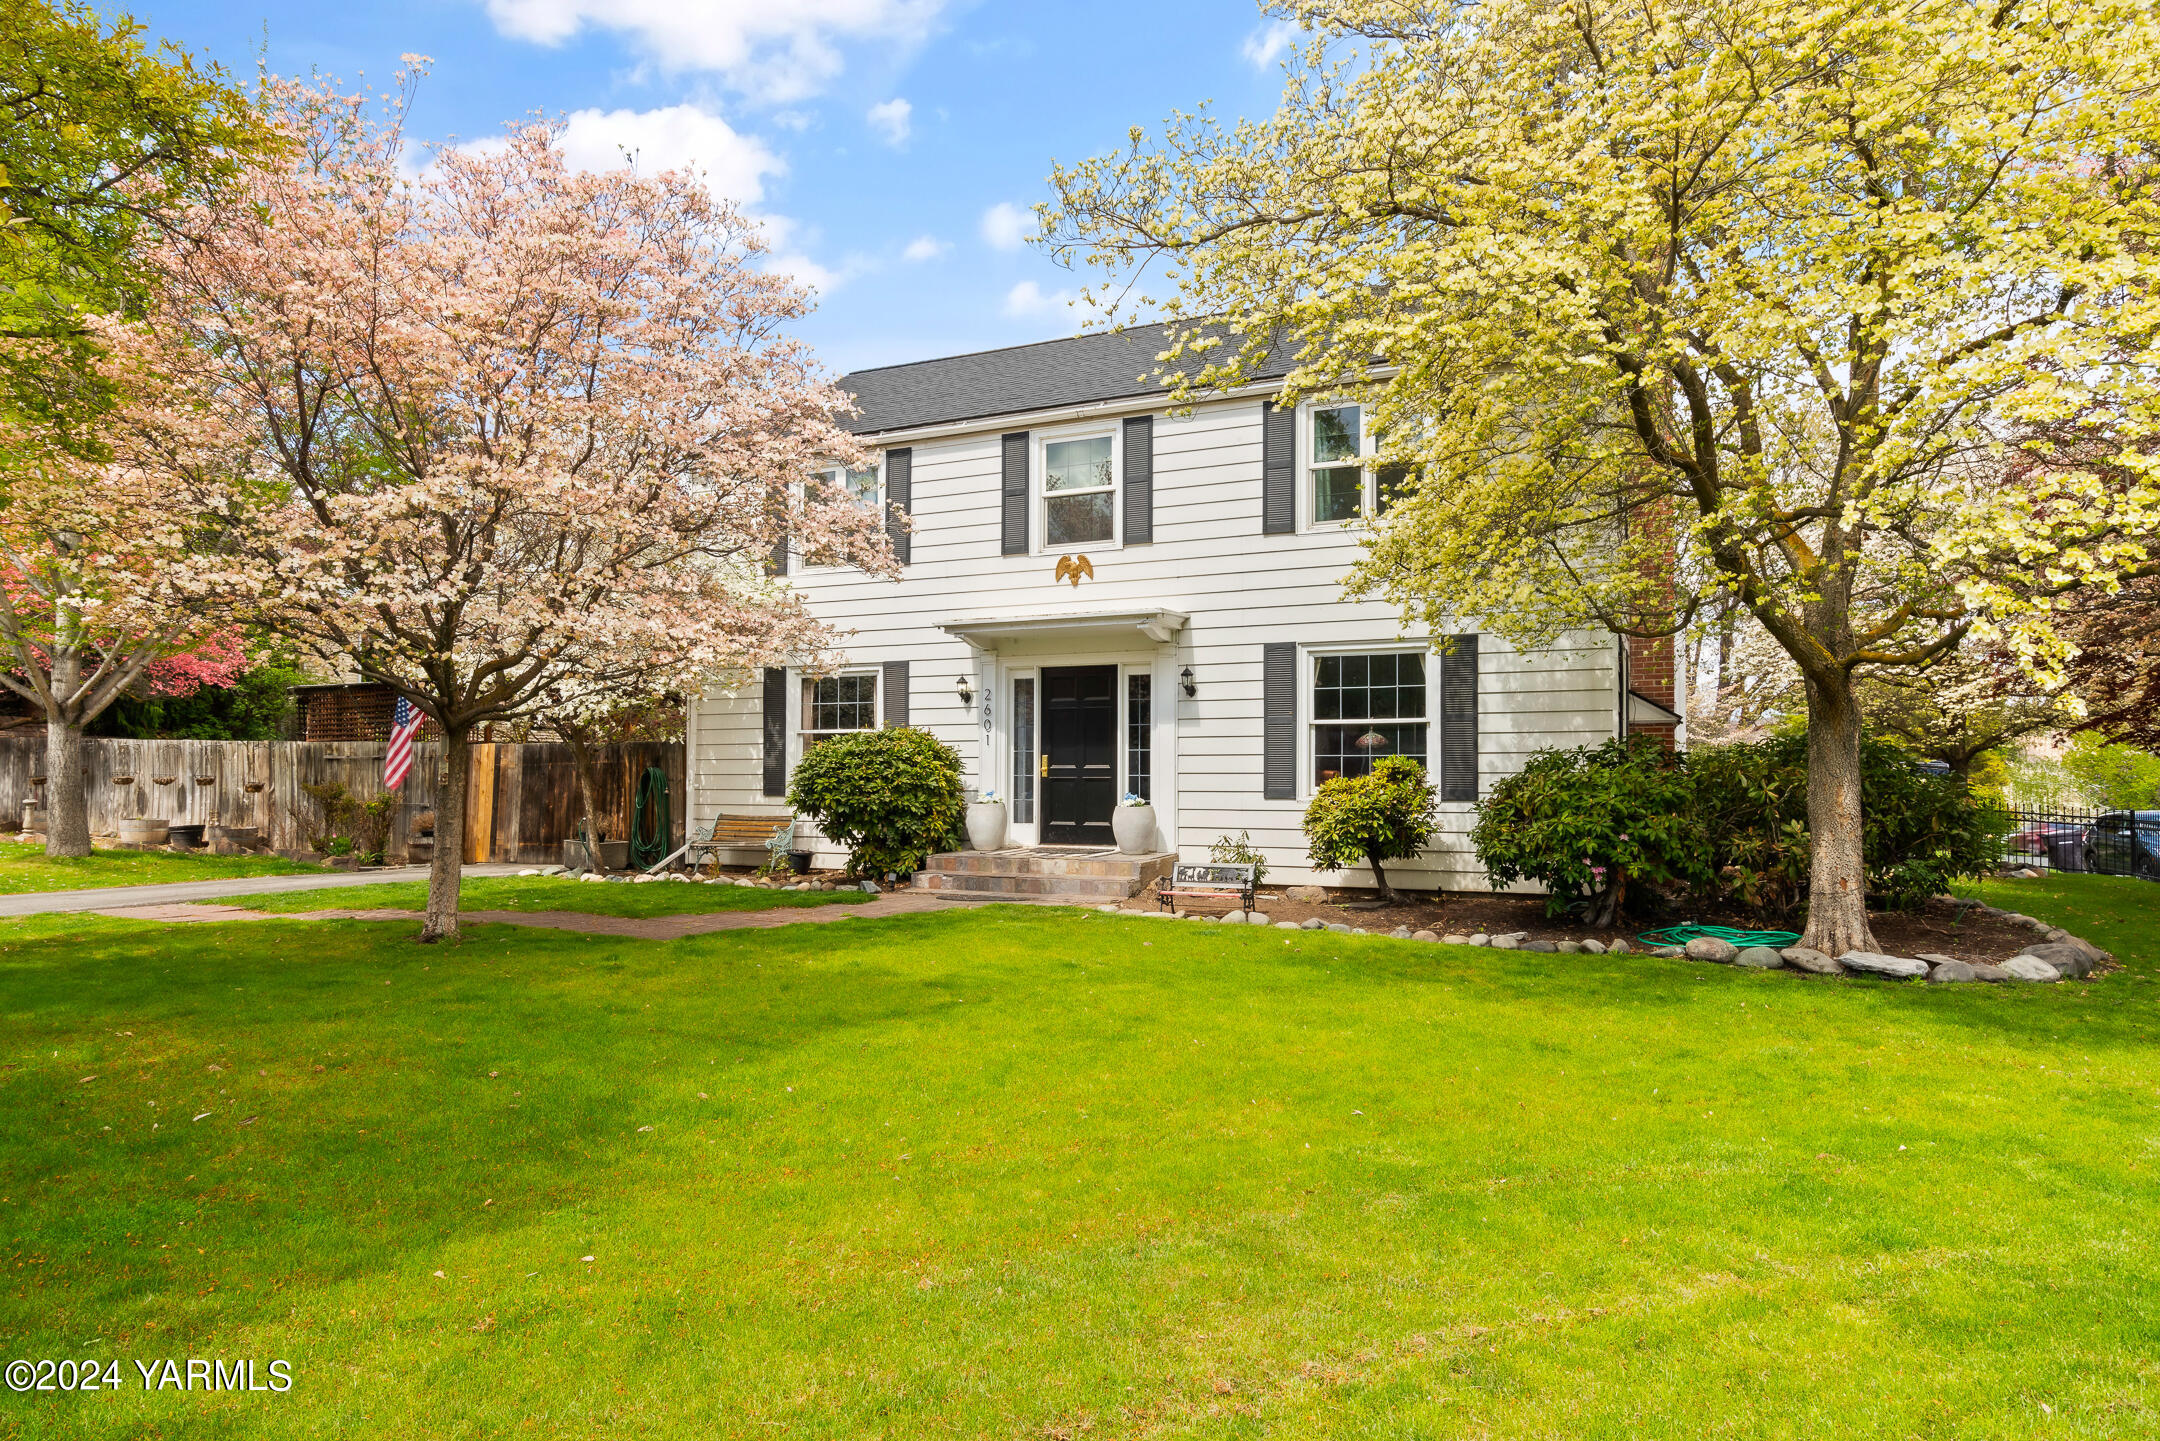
x,y
25,867
547,893
1013,1172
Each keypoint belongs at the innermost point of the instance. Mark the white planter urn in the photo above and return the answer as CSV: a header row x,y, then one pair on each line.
x,y
1134,827
986,825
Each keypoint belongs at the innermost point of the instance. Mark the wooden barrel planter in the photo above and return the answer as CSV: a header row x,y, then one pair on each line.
x,y
144,833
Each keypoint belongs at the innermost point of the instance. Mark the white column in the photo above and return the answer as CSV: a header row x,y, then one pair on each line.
x,y
1168,700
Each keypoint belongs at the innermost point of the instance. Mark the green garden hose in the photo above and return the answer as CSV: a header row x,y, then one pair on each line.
x,y
1681,935
651,822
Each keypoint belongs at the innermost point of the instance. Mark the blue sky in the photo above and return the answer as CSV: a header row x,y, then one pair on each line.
x,y
893,146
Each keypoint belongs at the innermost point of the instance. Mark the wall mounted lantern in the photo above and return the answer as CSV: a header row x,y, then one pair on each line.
x,y
1185,679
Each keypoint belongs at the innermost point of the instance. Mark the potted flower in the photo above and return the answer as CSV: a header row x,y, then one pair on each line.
x,y
986,822
1133,823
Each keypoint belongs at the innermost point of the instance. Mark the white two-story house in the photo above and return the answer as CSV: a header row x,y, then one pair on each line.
x,y
1100,597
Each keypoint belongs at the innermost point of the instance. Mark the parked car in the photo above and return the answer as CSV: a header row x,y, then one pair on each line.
x,y
2064,845
2126,843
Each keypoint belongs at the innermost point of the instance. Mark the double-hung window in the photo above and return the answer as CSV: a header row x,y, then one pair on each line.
x,y
1365,706
1341,479
835,704
1079,490
860,486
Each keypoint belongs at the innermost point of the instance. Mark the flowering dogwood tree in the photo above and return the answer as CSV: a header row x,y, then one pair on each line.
x,y
528,430
109,581
1766,281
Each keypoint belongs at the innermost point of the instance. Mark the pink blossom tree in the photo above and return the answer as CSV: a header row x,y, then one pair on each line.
x,y
530,431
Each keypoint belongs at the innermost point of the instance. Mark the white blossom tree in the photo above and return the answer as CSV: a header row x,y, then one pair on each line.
x,y
529,431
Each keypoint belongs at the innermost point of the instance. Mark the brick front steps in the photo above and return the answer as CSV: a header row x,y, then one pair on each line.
x,y
1076,873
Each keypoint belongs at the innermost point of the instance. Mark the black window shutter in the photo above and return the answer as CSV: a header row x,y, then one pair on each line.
x,y
776,563
775,731
1015,494
895,693
899,500
1139,479
1278,469
1459,720
1278,768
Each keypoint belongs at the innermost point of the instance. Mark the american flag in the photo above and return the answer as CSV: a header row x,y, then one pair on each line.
x,y
404,721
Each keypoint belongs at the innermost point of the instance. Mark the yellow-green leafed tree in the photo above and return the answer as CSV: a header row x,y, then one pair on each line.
x,y
1766,283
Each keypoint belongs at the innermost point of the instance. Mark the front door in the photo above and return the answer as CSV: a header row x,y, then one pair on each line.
x,y
1079,755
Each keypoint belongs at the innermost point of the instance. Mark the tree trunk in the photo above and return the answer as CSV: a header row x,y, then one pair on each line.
x,y
1837,919
581,761
1387,892
67,799
448,863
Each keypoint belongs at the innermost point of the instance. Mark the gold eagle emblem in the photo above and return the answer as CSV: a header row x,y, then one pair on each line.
x,y
1072,567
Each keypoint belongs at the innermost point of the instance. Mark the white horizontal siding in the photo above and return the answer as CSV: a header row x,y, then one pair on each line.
x,y
1209,559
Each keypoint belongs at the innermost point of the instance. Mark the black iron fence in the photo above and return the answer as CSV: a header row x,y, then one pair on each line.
x,y
2117,843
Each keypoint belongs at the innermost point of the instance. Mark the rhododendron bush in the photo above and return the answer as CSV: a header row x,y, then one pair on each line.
x,y
516,431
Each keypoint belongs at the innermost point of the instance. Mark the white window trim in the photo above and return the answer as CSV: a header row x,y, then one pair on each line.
x,y
804,735
1039,475
1308,491
1024,832
1309,672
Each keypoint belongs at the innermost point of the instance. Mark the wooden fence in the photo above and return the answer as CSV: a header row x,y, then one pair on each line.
x,y
520,805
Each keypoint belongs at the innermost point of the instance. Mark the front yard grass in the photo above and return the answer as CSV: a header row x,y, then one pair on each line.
x,y
547,893
25,867
1015,1172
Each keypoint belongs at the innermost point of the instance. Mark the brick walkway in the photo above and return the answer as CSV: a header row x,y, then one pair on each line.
x,y
643,928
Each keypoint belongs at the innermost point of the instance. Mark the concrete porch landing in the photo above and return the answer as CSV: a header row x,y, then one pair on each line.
x,y
1076,873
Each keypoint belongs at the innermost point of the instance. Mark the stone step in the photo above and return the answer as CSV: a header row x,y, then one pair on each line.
x,y
1078,888
1032,863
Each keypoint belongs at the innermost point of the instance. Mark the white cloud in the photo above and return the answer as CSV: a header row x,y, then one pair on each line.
x,y
924,247
680,137
1265,45
1029,301
775,51
1006,226
891,120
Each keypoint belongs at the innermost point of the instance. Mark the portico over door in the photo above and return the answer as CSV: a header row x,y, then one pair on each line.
x,y
1079,754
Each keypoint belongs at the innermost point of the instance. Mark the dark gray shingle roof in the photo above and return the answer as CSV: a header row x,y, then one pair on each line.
x,y
1078,370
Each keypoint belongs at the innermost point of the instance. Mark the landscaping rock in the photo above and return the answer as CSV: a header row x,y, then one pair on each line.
x,y
1400,933
1236,917
1315,924
1359,931
1934,958
1424,936
2099,957
1593,948
1618,948
1710,948
2068,960
1814,962
1337,927
551,870
1518,937
1313,894
2030,968
641,880
530,872
1505,943
1109,910
1569,948
1479,939
1903,968
1547,947
1258,918
868,888
1671,953
1288,926
1984,972
1759,958
592,876
1947,970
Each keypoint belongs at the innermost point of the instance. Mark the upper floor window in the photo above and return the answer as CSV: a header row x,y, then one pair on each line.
x,y
1079,490
1365,707
836,703
1340,475
860,486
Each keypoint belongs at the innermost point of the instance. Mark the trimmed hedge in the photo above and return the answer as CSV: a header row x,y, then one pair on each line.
x,y
893,797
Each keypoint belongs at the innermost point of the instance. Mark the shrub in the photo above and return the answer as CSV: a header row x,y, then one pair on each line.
x,y
1587,824
1239,852
891,796
352,826
1384,816
1728,824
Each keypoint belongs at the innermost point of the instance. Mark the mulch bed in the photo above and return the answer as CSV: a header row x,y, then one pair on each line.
x,y
1940,927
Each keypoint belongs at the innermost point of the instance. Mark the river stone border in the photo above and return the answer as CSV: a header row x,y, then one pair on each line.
x,y
2055,954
